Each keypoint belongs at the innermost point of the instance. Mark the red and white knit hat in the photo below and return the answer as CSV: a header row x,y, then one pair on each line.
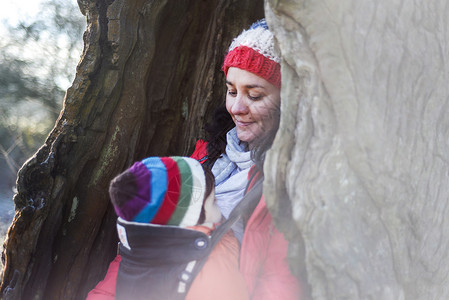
x,y
253,50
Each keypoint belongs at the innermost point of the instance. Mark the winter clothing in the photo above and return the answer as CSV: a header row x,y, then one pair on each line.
x,y
231,173
263,261
253,50
231,177
160,262
105,289
263,253
160,190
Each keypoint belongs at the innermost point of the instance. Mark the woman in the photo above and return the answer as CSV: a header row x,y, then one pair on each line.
x,y
253,81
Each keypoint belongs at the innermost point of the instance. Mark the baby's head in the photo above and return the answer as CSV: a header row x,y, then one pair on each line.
x,y
167,191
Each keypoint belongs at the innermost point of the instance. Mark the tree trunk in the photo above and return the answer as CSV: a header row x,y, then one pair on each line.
x,y
360,162
148,77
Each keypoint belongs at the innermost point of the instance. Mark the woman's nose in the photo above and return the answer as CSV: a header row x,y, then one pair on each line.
x,y
240,106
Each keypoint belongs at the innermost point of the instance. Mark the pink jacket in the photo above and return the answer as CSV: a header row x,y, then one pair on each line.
x,y
263,259
263,253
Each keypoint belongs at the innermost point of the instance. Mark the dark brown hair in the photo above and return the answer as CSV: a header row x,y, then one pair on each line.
x,y
210,185
216,135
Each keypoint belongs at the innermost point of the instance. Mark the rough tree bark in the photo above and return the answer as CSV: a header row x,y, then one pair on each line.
x,y
148,77
361,157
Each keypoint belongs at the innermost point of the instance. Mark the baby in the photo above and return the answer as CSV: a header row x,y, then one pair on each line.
x,y
167,211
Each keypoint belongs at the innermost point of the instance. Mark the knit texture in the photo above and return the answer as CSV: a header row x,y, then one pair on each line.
x,y
253,50
160,190
231,177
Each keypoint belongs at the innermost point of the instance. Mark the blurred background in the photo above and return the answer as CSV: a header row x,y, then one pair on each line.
x,y
40,46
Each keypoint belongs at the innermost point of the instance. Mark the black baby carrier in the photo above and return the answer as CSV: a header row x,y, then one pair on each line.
x,y
161,262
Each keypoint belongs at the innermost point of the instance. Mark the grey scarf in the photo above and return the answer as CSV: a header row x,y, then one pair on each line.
x,y
231,177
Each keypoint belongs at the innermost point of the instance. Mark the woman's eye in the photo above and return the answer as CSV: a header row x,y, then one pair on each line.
x,y
232,93
254,98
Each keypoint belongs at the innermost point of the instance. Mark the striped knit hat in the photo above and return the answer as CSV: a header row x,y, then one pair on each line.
x,y
160,190
253,50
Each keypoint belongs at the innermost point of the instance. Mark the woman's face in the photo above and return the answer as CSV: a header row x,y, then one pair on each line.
x,y
252,102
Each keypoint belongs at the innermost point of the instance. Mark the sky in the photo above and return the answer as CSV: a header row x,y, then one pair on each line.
x,y
12,10
36,53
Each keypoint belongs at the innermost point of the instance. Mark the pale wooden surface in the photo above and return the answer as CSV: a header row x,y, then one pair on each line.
x,y
362,151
